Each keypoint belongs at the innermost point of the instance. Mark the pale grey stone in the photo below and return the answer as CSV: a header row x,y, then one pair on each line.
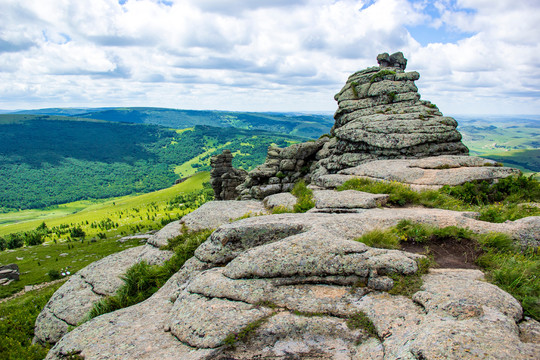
x,y
286,200
348,199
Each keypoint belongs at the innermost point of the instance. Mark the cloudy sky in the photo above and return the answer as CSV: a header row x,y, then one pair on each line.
x,y
474,56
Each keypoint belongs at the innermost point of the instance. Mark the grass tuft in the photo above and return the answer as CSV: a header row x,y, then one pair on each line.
x,y
142,280
361,321
304,197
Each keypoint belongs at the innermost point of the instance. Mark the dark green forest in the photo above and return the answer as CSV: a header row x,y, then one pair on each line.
x,y
48,160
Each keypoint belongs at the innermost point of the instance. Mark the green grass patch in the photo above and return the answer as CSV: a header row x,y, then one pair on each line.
x,y
407,285
305,197
361,321
381,74
17,319
142,280
495,202
512,269
36,263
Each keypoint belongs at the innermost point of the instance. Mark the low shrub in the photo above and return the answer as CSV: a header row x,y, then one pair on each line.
x,y
54,274
280,209
142,280
518,188
245,332
304,197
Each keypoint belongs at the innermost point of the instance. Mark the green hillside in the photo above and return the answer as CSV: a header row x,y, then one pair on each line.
x,y
512,140
47,160
306,125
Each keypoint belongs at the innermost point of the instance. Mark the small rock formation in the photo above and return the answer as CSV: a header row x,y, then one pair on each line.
x,y
282,168
9,273
396,60
380,116
224,178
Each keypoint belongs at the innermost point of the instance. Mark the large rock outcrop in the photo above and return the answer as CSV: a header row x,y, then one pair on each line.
x,y
72,302
297,277
224,178
379,116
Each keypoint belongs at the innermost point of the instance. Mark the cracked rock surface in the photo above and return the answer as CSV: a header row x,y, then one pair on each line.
x,y
296,277
72,302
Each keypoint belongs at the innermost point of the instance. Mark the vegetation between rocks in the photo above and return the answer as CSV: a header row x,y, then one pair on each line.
x,y
513,270
233,338
17,318
504,200
361,321
142,280
305,197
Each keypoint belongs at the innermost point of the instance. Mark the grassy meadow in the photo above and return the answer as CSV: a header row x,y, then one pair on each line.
x,y
103,223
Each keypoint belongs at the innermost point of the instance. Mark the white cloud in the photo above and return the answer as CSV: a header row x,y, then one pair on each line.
x,y
261,55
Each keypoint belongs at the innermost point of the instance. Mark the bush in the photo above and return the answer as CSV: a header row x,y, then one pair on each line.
x,y
14,241
361,321
142,280
3,244
77,232
54,274
304,197
516,188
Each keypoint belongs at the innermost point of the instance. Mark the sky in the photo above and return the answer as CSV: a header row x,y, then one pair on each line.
x,y
473,56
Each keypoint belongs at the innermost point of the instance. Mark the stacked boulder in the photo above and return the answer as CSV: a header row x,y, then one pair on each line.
x,y
224,178
380,116
282,168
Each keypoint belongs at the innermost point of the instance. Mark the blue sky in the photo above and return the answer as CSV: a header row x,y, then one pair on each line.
x,y
474,56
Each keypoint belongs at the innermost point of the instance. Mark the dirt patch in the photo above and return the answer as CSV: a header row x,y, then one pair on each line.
x,y
447,253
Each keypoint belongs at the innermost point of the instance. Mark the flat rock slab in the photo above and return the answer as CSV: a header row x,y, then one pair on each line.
x,y
73,300
285,200
349,199
215,213
432,172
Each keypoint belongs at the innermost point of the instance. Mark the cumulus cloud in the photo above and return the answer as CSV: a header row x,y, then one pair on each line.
x,y
261,55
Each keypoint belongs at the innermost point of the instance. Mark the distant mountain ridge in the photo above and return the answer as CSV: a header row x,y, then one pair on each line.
x,y
297,124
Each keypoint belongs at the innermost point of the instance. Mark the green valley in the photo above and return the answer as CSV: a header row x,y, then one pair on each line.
x,y
102,224
49,160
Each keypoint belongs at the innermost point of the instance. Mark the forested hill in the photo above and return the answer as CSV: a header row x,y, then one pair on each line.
x,y
47,160
306,125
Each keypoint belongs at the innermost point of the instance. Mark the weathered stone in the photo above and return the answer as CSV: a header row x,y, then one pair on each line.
x,y
73,300
205,323
348,199
308,263
9,272
285,200
215,213
224,178
395,60
432,172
